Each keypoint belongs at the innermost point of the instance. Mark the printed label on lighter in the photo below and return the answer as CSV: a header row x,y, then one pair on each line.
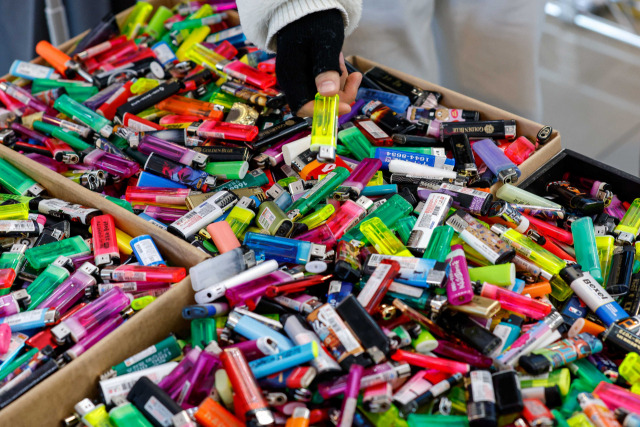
x,y
142,355
372,285
147,252
591,293
482,386
328,316
159,411
266,218
373,129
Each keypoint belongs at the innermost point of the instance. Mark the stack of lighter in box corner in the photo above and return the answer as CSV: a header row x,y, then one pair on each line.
x,y
361,271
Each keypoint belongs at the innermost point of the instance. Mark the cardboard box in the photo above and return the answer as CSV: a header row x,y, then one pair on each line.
x,y
625,186
454,99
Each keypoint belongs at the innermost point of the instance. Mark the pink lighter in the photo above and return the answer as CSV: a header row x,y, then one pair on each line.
x,y
459,289
359,179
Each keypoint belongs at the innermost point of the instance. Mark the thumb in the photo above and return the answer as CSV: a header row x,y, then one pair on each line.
x,y
328,83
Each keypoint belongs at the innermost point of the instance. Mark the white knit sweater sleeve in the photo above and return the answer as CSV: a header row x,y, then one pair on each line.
x,y
262,19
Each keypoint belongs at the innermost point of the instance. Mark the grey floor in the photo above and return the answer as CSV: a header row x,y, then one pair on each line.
x,y
591,93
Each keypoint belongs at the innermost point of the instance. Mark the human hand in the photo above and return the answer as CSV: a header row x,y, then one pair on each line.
x,y
309,61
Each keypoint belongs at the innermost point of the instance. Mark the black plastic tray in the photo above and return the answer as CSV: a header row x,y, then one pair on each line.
x,y
625,185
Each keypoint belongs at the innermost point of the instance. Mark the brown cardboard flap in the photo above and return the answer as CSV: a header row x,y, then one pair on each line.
x,y
176,250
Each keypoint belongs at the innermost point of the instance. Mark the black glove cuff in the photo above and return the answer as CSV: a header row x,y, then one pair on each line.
x,y
307,47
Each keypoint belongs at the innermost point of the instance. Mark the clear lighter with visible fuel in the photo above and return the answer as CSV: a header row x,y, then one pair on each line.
x,y
283,249
324,129
382,238
627,230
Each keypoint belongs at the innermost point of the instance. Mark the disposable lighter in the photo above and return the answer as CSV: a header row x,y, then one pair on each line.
x,y
176,172
79,112
324,130
84,321
72,289
150,144
105,246
192,107
17,182
146,251
378,284
283,249
322,189
129,272
68,136
584,240
497,161
108,162
248,400
198,131
433,215
47,281
203,214
14,302
61,61
530,250
480,238
241,216
24,97
628,228
393,209
383,239
459,289
41,256
31,320
357,181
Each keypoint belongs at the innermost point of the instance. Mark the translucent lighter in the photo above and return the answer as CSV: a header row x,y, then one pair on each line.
x,y
517,195
283,249
151,144
47,281
324,130
348,215
391,211
628,229
356,142
382,238
605,245
129,272
111,163
204,56
196,36
104,329
136,19
440,243
529,249
19,211
83,114
241,216
16,181
584,243
82,322
318,192
41,256
319,216
71,290
358,179
497,161
193,107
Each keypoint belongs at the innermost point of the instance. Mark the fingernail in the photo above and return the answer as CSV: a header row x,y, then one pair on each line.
x,y
327,86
